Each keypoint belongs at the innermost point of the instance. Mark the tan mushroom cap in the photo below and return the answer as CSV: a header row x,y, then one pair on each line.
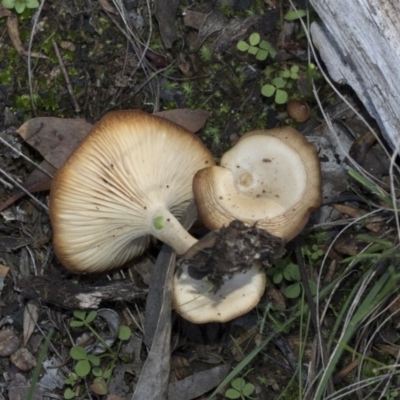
x,y
130,179
195,300
271,177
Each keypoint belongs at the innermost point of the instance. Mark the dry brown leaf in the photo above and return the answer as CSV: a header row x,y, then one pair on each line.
x,y
165,13
192,120
108,7
31,314
347,245
194,19
181,367
37,181
20,386
4,271
374,224
361,146
9,342
390,349
13,33
4,12
54,138
23,359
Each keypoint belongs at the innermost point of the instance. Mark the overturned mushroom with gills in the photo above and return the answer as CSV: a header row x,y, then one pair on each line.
x,y
128,181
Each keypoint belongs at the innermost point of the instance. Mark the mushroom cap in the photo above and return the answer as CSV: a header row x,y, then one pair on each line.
x,y
270,177
103,199
195,300
298,110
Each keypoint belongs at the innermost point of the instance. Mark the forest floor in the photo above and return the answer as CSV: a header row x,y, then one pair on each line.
x,y
327,325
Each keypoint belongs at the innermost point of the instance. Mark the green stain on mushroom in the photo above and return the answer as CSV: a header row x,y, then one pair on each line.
x,y
158,222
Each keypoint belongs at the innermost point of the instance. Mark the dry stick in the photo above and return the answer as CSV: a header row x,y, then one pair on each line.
x,y
19,186
66,77
25,157
33,31
311,305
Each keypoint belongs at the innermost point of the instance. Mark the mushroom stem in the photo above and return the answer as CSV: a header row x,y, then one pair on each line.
x,y
166,227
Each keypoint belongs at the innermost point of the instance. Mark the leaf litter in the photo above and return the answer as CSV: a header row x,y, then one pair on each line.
x,y
54,139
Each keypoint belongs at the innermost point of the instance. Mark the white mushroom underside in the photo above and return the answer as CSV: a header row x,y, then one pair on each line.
x,y
196,301
104,198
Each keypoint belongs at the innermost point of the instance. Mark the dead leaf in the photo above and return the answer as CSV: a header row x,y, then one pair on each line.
x,y
4,271
192,120
347,246
37,181
19,388
9,342
390,349
165,13
238,29
23,359
374,224
31,314
13,33
4,12
181,367
361,146
214,21
9,243
194,19
108,7
197,384
156,369
54,138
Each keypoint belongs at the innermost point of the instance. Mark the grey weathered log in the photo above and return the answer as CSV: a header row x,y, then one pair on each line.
x,y
359,42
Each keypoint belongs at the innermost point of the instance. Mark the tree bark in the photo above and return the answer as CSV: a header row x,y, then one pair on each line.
x,y
359,42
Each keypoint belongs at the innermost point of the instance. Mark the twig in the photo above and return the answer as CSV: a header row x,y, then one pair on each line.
x,y
66,77
19,186
25,157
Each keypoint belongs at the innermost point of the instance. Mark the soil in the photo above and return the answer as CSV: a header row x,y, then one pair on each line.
x,y
81,59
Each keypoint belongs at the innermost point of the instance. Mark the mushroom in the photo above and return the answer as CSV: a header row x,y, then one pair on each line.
x,y
198,302
298,110
222,276
270,177
129,180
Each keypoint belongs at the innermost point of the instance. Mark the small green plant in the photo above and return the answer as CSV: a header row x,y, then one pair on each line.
x,y
276,89
279,84
312,253
100,367
295,14
392,394
261,49
240,389
20,5
205,53
284,269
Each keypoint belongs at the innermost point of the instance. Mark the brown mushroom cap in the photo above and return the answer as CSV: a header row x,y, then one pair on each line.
x,y
196,301
298,110
270,177
130,179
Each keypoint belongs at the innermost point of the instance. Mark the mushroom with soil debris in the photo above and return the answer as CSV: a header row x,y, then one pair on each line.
x,y
271,181
270,177
223,275
129,180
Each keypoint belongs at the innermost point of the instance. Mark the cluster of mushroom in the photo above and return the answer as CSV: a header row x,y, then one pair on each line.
x,y
134,175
